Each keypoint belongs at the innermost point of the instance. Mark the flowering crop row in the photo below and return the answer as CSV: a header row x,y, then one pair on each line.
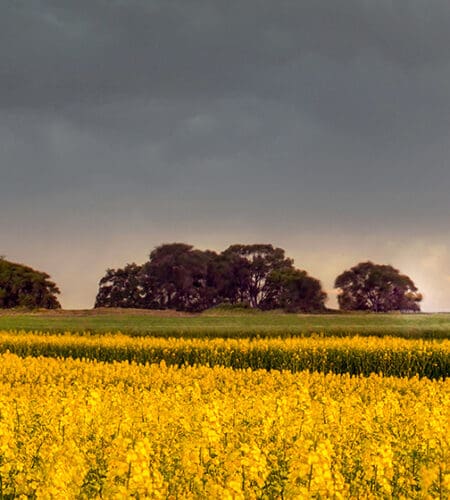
x,y
85,429
356,355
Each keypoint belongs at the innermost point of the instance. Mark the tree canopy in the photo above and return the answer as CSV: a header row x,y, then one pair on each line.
x,y
249,268
378,288
294,291
178,276
22,286
121,288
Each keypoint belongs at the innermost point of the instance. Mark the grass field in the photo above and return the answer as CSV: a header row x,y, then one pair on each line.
x,y
227,325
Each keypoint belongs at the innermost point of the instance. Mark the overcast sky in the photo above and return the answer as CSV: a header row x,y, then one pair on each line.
x,y
319,126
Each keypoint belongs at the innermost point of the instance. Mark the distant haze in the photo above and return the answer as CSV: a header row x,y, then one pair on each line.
x,y
320,127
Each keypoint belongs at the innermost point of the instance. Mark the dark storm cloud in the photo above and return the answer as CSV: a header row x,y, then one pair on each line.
x,y
375,68
189,82
56,52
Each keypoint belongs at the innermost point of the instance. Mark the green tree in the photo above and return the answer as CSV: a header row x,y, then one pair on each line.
x,y
23,286
294,291
378,288
121,288
177,276
249,268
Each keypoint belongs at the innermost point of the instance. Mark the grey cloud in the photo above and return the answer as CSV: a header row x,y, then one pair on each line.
x,y
377,69
139,70
54,52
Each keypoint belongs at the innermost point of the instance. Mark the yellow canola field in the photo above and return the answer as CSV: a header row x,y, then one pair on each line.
x,y
119,340
357,355
77,429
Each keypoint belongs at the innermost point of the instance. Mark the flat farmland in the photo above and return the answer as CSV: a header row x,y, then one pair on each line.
x,y
229,325
140,404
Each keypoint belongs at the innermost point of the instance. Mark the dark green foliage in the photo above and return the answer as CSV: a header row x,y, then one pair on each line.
x,y
294,291
22,286
376,288
121,288
178,276
249,269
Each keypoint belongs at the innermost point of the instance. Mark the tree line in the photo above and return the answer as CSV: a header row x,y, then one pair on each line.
x,y
260,276
180,277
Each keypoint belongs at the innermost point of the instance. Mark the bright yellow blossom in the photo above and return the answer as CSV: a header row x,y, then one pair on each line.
x,y
85,429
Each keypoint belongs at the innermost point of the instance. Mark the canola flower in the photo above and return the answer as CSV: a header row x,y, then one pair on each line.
x,y
86,429
355,355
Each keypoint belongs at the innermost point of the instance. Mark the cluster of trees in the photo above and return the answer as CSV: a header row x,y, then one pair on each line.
x,y
178,276
22,286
